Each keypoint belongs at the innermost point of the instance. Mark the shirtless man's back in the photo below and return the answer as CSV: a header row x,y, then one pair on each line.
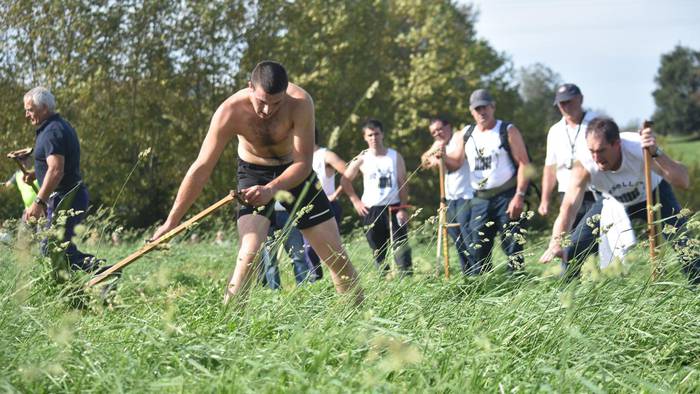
x,y
274,122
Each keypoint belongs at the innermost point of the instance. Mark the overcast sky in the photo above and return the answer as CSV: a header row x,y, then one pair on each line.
x,y
610,48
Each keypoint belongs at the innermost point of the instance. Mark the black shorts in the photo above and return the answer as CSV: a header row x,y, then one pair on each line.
x,y
314,202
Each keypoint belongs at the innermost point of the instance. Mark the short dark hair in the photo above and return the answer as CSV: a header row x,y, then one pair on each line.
x,y
606,126
373,124
270,76
441,119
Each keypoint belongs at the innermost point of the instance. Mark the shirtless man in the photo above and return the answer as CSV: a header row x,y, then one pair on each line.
x,y
273,121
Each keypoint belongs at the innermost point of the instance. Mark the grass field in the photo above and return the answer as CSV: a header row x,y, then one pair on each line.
x,y
684,149
168,332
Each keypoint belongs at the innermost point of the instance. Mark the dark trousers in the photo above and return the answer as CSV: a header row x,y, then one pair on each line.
x,y
312,259
584,241
77,259
459,212
488,218
378,237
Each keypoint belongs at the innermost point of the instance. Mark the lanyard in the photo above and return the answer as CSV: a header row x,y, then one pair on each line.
x,y
573,144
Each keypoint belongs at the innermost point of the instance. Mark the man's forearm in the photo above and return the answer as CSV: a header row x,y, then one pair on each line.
x,y
522,179
190,188
674,172
548,183
291,177
50,183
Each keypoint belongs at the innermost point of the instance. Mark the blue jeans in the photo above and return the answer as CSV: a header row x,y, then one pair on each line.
x,y
584,241
294,246
77,259
489,217
312,259
459,212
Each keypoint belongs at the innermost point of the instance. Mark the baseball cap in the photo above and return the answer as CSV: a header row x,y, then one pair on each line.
x,y
566,92
480,97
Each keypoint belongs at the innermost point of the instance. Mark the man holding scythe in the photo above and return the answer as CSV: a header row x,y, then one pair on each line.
x,y
273,121
613,165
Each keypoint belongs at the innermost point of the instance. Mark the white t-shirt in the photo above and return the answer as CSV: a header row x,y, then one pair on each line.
x,y
319,166
627,184
489,163
379,178
457,182
563,141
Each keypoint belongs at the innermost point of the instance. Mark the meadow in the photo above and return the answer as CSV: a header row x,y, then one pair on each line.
x,y
167,331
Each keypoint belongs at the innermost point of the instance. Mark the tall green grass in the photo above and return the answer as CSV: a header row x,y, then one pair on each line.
x,y
166,330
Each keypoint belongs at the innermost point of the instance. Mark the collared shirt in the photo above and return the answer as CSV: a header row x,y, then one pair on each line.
x,y
55,136
563,143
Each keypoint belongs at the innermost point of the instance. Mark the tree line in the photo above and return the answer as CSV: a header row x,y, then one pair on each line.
x,y
133,75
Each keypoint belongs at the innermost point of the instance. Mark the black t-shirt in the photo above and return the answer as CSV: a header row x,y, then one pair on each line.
x,y
57,137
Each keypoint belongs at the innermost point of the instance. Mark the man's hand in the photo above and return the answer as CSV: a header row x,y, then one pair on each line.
x,y
257,195
543,209
515,207
554,250
648,140
35,211
163,229
360,207
402,217
29,177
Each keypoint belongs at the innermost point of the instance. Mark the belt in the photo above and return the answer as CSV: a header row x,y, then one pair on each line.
x,y
490,193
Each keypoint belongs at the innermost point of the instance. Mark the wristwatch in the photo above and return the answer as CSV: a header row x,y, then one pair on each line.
x,y
658,152
39,201
521,194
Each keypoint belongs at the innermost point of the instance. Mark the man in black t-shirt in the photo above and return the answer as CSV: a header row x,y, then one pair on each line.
x,y
57,168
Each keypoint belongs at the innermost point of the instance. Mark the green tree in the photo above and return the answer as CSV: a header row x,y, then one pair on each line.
x,y
677,95
537,86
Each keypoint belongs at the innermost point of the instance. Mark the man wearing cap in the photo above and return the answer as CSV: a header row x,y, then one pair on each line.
x,y
458,189
497,159
564,139
613,165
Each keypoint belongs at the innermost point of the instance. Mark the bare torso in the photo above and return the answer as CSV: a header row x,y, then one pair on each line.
x,y
263,141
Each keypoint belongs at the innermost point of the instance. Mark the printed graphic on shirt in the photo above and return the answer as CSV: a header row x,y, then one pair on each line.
x,y
483,163
382,178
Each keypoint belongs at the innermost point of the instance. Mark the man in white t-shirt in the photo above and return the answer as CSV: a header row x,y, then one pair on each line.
x,y
384,186
497,159
458,190
564,139
613,165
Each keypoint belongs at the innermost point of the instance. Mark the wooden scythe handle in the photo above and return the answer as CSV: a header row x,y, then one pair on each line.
x,y
165,237
651,227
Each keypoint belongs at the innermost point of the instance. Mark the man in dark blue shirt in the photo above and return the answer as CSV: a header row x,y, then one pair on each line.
x,y
57,168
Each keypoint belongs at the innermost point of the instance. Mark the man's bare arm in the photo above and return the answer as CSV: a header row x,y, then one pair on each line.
x,y
346,179
570,204
549,181
517,146
339,165
402,178
455,159
54,174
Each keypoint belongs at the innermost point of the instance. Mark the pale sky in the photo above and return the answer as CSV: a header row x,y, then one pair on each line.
x,y
610,48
